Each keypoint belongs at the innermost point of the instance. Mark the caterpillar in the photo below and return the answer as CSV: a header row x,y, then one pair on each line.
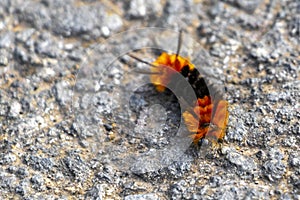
x,y
205,118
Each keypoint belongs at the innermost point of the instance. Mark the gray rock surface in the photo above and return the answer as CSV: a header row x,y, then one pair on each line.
x,y
71,127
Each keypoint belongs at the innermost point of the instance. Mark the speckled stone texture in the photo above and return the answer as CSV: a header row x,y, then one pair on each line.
x,y
52,49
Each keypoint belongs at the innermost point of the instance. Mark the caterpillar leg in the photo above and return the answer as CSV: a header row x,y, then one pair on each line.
x,y
199,135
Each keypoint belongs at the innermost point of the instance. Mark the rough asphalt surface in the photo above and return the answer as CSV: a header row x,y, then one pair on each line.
x,y
61,108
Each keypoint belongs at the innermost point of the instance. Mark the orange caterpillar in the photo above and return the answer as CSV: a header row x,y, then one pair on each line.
x,y
209,117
